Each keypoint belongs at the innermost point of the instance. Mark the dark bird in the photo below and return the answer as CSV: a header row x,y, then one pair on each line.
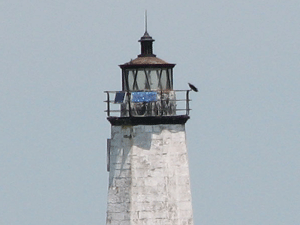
x,y
193,87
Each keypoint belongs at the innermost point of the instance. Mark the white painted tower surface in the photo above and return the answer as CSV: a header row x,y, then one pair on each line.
x,y
149,182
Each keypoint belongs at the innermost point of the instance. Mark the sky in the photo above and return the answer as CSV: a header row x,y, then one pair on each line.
x,y
58,57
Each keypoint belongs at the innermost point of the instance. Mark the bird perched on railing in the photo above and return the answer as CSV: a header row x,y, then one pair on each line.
x,y
193,87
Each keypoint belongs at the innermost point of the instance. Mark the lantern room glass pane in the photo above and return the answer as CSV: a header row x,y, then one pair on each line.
x,y
147,84
170,75
141,80
130,79
164,80
153,79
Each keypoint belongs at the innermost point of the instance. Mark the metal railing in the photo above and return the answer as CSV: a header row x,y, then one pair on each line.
x,y
167,103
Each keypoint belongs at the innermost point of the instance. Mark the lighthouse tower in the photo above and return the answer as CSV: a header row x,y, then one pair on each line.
x,y
149,182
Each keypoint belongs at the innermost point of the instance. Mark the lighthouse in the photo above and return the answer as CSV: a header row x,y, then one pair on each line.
x,y
147,159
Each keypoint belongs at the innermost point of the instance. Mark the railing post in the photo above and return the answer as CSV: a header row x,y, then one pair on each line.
x,y
187,103
129,103
108,104
161,103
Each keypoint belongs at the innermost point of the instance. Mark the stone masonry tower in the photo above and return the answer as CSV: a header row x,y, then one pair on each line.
x,y
147,159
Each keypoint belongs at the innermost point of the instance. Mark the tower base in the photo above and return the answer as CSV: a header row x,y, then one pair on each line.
x,y
149,179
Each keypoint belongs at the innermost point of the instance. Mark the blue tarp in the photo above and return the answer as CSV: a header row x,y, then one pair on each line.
x,y
144,96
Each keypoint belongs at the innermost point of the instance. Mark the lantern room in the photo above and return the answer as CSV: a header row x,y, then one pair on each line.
x,y
147,94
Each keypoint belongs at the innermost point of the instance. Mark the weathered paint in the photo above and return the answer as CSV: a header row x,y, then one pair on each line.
x,y
149,176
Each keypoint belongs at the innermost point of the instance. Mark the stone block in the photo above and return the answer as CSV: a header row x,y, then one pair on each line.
x,y
116,151
118,196
138,129
185,221
125,222
183,181
116,129
140,222
121,182
115,217
157,129
116,143
184,205
148,129
126,130
119,166
154,181
118,208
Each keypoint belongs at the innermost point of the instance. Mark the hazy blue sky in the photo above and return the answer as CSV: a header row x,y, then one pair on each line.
x,y
57,58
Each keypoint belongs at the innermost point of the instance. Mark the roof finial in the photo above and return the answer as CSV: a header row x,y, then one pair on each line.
x,y
146,42
145,20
